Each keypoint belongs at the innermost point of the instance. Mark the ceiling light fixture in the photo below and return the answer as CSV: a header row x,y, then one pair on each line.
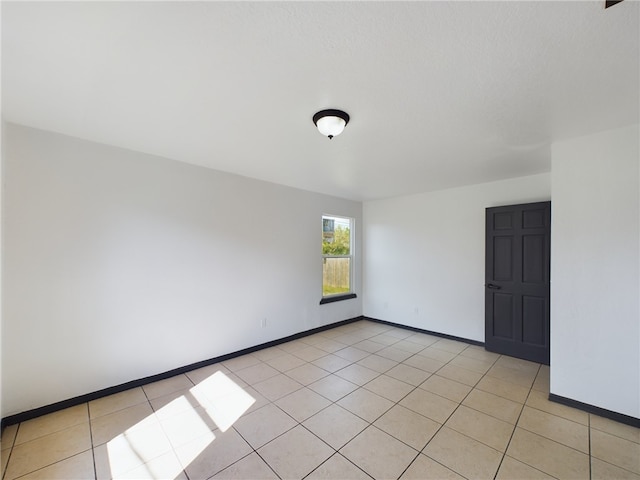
x,y
331,122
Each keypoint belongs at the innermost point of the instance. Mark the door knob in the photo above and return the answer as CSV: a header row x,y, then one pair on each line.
x,y
495,287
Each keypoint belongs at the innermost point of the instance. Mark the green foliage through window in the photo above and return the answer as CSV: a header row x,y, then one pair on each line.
x,y
341,244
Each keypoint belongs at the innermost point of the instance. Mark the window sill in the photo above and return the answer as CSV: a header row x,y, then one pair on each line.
x,y
338,298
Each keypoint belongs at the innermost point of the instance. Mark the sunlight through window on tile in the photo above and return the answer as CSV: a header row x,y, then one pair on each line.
x,y
145,448
137,447
223,400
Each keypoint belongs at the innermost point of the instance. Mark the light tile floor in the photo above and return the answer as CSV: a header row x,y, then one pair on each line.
x,y
358,401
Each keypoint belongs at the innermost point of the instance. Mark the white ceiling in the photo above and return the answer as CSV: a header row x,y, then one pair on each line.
x,y
440,94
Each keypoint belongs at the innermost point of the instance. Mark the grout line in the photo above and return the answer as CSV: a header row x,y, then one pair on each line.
x,y
589,434
516,424
13,444
93,452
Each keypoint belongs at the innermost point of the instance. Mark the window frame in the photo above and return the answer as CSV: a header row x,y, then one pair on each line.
x,y
336,297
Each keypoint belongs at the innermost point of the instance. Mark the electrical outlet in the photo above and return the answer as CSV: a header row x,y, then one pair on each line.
x,y
263,323
417,310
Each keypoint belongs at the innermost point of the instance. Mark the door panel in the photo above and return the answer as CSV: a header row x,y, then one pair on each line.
x,y
517,280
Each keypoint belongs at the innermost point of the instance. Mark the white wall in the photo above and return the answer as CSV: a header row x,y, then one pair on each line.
x,y
120,265
595,262
424,254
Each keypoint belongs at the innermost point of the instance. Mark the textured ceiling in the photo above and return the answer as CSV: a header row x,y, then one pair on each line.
x,y
440,94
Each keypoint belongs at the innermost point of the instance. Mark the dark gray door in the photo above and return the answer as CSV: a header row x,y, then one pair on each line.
x,y
517,280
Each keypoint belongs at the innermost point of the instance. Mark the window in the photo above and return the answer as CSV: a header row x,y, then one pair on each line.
x,y
337,258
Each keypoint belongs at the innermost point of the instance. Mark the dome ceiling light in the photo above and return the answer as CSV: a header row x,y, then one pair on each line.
x,y
331,122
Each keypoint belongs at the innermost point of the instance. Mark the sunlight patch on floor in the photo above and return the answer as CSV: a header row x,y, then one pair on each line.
x,y
146,448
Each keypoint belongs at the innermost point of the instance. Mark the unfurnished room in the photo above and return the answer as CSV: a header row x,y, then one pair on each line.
x,y
320,240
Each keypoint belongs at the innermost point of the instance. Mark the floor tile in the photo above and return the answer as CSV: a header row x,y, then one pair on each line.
x,y
379,454
302,404
337,467
555,428
540,401
365,404
268,353
393,353
9,434
333,387
429,404
163,387
256,373
615,450
335,425
174,403
479,353
331,363
424,363
503,389
207,456
107,427
187,426
518,364
313,340
130,450
238,363
411,375
78,467
330,346
309,354
369,346
348,339
384,339
541,383
605,471
548,456
615,428
307,373
211,420
357,374
164,466
277,387
398,332
481,427
377,363
389,387
438,354
249,467
44,451
407,426
424,468
446,388
450,345
264,425
352,353
461,375
511,469
423,339
200,374
522,378
409,346
4,459
463,455
296,453
473,364
224,399
226,411
498,407
54,422
285,362
117,401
